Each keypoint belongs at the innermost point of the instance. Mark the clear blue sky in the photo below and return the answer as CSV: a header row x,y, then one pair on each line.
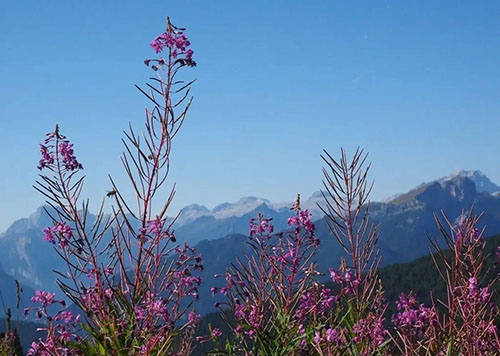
x,y
415,83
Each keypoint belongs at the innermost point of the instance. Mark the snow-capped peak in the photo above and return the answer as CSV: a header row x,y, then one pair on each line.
x,y
481,181
239,208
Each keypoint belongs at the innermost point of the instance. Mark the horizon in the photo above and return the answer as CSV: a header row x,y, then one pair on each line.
x,y
416,85
279,204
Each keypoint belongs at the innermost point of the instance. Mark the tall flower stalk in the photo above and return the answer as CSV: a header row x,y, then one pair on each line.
x,y
270,292
275,297
134,285
346,211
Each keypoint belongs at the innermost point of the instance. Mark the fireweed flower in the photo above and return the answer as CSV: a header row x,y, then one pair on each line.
x,y
262,227
333,336
306,307
371,331
177,43
194,318
412,318
239,311
48,235
317,337
45,298
216,333
59,328
68,158
155,227
47,158
61,231
303,218
57,150
326,300
347,282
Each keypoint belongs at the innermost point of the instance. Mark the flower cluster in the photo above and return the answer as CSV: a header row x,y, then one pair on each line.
x,y
61,231
59,328
178,47
47,157
370,331
58,151
260,226
473,294
348,283
151,308
68,158
176,40
303,218
313,304
44,298
156,229
413,319
329,339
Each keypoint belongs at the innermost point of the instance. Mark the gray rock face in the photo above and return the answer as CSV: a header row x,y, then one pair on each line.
x,y
481,181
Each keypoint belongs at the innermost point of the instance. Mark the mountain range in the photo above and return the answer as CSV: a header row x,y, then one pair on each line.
x,y
219,234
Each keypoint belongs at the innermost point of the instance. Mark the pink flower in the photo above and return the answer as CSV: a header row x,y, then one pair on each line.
x,y
216,333
61,230
239,311
335,276
177,42
333,336
194,318
109,293
69,160
45,298
47,158
157,45
238,330
317,337
48,236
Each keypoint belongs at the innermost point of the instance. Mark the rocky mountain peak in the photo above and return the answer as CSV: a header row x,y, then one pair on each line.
x,y
481,181
460,187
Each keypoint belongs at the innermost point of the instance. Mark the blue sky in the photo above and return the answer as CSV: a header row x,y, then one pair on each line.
x,y
415,83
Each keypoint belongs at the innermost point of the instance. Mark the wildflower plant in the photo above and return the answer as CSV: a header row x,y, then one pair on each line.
x,y
134,284
61,329
275,296
268,292
346,211
464,323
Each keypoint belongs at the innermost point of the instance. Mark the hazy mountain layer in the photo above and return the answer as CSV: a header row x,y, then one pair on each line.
x,y
404,223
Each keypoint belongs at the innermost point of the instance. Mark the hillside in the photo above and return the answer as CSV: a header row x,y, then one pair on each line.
x,y
8,295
